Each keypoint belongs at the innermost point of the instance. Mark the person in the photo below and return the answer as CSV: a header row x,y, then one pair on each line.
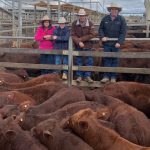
x,y
44,35
112,26
61,37
82,31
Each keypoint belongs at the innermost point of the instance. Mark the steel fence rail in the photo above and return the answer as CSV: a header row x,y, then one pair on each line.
x,y
94,39
77,53
71,53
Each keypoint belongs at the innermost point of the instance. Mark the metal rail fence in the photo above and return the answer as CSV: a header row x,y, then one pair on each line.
x,y
71,53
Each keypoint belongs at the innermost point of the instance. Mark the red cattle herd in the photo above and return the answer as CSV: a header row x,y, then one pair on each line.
x,y
43,113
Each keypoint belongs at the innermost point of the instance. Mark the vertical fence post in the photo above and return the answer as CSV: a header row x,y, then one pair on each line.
x,y
20,19
70,58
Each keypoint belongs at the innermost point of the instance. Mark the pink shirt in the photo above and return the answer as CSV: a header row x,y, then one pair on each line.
x,y
44,44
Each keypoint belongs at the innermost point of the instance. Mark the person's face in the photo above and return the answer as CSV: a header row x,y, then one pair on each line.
x,y
62,25
114,11
82,18
46,24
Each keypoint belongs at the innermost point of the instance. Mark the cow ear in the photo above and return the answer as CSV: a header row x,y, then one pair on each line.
x,y
10,134
33,131
103,113
47,134
84,125
14,117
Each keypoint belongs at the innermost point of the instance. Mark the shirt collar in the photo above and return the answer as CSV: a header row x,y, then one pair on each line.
x,y
86,23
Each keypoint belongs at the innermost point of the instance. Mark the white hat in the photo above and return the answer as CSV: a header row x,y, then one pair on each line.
x,y
62,20
81,12
114,5
46,18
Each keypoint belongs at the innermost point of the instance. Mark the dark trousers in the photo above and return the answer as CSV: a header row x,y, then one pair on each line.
x,y
79,62
46,59
110,62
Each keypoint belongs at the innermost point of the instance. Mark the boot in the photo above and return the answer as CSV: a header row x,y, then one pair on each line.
x,y
113,80
64,76
89,80
104,80
79,79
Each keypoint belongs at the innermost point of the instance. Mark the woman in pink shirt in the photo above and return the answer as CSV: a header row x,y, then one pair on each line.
x,y
44,36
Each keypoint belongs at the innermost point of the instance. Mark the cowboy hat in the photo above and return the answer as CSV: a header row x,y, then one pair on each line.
x,y
114,5
82,12
46,18
62,20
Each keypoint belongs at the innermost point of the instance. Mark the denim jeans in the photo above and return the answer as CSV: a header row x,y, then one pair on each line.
x,y
110,62
59,59
80,61
46,59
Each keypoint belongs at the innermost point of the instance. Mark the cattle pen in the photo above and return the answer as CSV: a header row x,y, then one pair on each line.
x,y
29,19
46,106
71,67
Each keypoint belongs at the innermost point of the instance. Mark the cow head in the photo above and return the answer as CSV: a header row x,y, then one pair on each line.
x,y
25,106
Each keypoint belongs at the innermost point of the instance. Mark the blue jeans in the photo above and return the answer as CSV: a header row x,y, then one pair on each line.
x,y
80,61
59,59
46,59
110,62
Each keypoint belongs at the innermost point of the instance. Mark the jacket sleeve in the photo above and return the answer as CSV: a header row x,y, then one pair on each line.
x,y
101,29
75,38
92,34
123,31
39,35
63,38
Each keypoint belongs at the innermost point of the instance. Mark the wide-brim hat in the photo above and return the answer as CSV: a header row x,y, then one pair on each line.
x,y
62,20
46,18
82,12
114,5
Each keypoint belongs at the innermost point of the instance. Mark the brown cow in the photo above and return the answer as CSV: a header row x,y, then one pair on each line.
x,y
43,91
15,97
28,120
10,77
9,110
13,137
51,134
86,125
128,121
19,72
61,98
32,82
132,93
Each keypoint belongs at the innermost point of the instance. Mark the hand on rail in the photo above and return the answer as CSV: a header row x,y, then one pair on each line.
x,y
48,37
104,39
117,45
54,37
81,44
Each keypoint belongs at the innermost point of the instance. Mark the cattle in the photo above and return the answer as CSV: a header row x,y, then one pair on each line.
x,y
28,120
10,77
32,44
41,92
51,134
9,110
15,97
13,137
132,93
19,72
86,125
63,97
32,82
130,123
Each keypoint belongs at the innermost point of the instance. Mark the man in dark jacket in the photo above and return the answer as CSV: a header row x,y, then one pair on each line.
x,y
112,26
82,31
